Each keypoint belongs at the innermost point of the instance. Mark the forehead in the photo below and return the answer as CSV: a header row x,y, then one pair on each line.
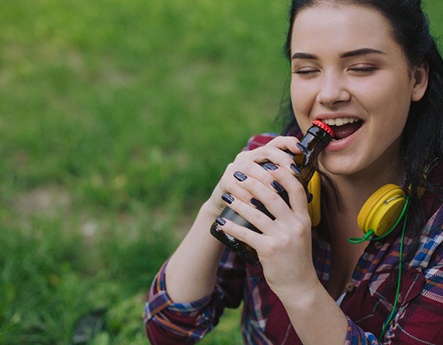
x,y
340,25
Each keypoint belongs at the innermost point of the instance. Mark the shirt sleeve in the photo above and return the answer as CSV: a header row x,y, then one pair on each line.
x,y
170,323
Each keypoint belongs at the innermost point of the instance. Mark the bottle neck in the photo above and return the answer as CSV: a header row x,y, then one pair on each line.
x,y
311,145
319,133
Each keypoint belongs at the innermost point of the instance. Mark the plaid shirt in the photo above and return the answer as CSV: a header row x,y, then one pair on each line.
x,y
367,303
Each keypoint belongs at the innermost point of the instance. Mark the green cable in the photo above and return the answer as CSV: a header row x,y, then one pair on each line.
x,y
397,292
368,237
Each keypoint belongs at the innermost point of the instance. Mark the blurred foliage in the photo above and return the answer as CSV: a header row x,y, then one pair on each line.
x,y
117,99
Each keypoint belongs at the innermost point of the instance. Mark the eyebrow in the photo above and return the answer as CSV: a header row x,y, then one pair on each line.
x,y
352,53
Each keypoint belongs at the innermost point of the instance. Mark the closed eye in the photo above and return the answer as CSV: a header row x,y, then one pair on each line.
x,y
363,69
305,71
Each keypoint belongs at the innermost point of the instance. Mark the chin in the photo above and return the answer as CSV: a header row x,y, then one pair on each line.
x,y
339,166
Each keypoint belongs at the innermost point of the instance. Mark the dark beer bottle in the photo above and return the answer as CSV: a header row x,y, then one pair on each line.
x,y
316,139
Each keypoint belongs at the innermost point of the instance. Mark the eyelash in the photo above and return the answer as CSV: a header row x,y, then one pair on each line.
x,y
305,72
368,70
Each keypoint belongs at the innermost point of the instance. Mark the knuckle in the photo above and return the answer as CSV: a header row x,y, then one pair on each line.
x,y
306,223
271,249
273,197
297,187
260,218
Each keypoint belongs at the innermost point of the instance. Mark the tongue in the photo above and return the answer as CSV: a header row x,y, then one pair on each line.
x,y
344,131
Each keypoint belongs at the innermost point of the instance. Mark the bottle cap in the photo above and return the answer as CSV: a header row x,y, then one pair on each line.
x,y
324,126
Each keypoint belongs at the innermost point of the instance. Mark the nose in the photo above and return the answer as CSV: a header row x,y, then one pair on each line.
x,y
333,90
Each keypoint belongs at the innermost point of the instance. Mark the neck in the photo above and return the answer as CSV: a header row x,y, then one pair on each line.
x,y
346,194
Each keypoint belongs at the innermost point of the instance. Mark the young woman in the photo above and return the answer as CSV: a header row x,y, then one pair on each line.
x,y
371,70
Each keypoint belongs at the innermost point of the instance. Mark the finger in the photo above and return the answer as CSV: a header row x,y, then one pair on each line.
x,y
260,192
237,183
284,143
274,200
240,232
275,151
295,193
256,164
252,212
284,155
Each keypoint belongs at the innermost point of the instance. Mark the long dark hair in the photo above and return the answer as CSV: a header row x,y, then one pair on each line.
x,y
422,139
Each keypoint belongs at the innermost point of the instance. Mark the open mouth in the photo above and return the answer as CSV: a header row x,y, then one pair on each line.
x,y
343,127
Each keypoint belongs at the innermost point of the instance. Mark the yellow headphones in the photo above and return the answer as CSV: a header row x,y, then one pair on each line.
x,y
379,214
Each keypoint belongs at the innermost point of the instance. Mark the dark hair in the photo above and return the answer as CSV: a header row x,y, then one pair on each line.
x,y
422,139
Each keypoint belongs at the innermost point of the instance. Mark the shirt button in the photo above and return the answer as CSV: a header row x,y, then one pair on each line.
x,y
378,245
349,287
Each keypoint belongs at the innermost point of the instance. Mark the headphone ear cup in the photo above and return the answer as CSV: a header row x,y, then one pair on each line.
x,y
314,187
381,211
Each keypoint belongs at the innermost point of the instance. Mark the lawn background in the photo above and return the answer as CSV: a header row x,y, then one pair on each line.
x,y
116,120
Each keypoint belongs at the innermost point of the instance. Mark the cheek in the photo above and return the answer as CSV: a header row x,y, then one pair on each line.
x,y
302,98
390,91
392,104
386,100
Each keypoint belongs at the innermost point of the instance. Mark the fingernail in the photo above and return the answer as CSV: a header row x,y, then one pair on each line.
x,y
295,169
257,203
228,198
270,166
220,221
240,176
278,187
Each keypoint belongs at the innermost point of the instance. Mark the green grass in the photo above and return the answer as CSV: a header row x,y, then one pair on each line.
x,y
117,119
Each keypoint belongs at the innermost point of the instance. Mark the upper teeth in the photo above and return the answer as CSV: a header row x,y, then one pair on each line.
x,y
340,121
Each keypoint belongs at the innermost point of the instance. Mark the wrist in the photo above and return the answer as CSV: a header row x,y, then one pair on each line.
x,y
304,296
315,315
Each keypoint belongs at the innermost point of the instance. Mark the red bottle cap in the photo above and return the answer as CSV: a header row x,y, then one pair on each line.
x,y
324,126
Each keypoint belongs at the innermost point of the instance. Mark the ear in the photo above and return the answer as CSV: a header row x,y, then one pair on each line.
x,y
420,76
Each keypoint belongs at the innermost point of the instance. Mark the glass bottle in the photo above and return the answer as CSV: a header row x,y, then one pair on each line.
x,y
316,139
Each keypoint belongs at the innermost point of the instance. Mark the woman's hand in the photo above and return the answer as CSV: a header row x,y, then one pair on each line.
x,y
284,247
248,162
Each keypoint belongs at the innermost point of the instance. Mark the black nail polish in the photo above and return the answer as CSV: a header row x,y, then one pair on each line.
x,y
228,198
278,187
240,176
220,221
270,166
261,207
295,169
257,203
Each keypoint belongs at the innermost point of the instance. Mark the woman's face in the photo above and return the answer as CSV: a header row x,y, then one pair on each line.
x,y
348,71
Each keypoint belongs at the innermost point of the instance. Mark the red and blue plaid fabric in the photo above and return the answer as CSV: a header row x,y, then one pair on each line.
x,y
367,302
